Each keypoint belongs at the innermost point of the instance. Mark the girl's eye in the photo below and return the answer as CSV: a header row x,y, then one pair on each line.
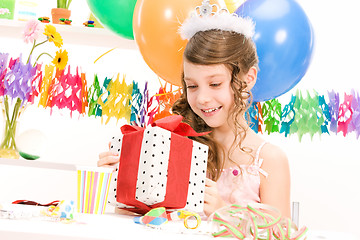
x,y
215,84
191,86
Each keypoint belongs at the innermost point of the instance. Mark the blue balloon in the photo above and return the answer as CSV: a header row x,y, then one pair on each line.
x,y
284,39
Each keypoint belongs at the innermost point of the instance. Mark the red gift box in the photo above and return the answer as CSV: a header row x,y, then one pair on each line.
x,y
179,164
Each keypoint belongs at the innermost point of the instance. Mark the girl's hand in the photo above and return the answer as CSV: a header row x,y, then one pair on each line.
x,y
108,159
212,199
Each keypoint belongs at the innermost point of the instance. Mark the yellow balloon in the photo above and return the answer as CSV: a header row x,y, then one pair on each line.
x,y
232,5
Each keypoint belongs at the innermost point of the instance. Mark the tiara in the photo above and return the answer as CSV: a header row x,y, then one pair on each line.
x,y
204,18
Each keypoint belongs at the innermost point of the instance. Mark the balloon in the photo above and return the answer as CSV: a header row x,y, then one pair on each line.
x,y
232,5
284,40
31,144
155,26
117,15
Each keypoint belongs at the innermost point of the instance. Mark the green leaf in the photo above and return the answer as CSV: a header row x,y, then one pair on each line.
x,y
68,4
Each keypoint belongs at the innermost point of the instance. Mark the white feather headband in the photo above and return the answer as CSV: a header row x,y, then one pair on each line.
x,y
204,19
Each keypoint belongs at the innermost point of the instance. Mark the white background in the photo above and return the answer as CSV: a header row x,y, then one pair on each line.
x,y
324,170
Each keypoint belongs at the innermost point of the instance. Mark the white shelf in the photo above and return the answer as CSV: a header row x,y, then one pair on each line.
x,y
78,35
37,164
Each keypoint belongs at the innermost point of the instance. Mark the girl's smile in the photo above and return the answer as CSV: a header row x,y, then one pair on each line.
x,y
210,110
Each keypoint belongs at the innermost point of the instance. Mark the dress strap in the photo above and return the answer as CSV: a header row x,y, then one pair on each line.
x,y
258,161
258,151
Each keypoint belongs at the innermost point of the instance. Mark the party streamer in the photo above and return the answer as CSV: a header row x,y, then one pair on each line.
x,y
45,85
306,118
94,92
271,111
334,109
18,80
67,92
305,113
345,114
3,70
166,99
117,103
287,116
36,85
354,125
326,114
136,104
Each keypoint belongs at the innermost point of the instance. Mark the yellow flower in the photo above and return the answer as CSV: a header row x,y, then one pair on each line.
x,y
53,35
61,59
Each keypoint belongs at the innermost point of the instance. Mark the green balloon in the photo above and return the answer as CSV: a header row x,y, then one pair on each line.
x,y
117,15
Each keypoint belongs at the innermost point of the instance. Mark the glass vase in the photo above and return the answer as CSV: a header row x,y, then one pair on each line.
x,y
11,113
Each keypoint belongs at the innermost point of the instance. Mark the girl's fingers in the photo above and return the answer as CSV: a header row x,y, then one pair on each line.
x,y
107,158
207,199
108,161
210,195
210,187
209,182
106,154
208,207
210,191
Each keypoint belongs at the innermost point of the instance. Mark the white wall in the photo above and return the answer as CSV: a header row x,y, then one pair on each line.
x,y
324,170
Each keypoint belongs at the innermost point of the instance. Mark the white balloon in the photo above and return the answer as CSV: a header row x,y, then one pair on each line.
x,y
31,142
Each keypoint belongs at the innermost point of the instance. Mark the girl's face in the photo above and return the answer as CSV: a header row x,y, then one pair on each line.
x,y
209,93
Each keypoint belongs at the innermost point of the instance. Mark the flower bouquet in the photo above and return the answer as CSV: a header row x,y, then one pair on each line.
x,y
20,82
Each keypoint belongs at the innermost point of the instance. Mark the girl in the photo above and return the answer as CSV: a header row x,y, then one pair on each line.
x,y
219,69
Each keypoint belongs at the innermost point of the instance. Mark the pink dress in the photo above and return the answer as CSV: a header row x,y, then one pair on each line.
x,y
237,186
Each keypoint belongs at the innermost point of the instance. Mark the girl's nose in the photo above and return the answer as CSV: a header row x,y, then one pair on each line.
x,y
204,96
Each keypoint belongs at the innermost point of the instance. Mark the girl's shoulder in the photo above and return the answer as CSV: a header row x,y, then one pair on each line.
x,y
270,150
273,158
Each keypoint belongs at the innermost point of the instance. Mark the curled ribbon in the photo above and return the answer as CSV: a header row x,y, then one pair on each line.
x,y
256,220
158,216
186,215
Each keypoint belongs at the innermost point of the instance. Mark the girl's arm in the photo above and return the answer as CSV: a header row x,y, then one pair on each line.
x,y
275,188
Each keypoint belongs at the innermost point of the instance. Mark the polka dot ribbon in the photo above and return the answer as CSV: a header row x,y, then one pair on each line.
x,y
256,221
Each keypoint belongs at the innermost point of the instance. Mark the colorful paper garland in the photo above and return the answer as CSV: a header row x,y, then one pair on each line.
x,y
116,99
309,115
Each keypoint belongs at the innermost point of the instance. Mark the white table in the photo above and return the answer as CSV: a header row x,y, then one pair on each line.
x,y
112,226
96,227
108,226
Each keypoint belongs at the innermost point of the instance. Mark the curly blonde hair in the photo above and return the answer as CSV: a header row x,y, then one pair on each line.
x,y
238,53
